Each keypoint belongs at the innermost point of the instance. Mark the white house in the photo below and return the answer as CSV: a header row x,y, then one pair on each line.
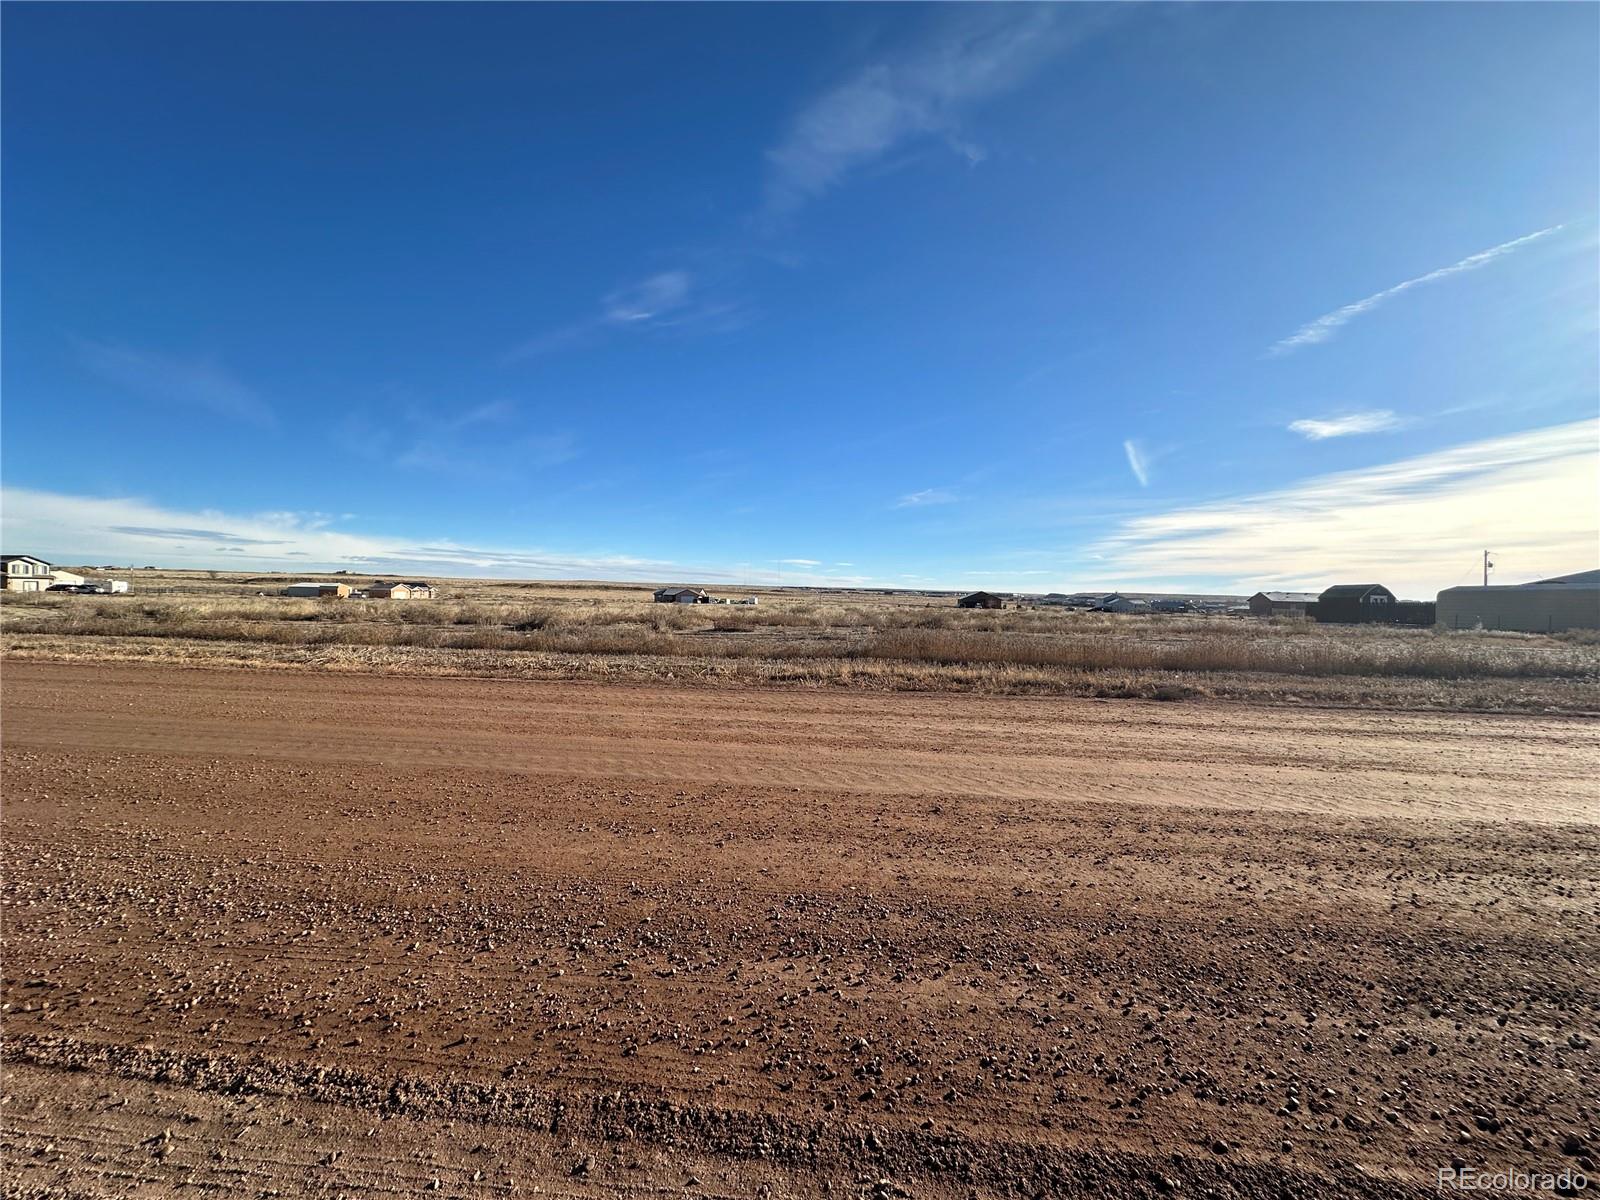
x,y
25,573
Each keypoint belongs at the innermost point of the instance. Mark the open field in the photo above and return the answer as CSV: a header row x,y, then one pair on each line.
x,y
900,642
344,934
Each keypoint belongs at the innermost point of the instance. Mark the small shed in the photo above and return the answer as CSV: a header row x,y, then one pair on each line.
x,y
1283,604
388,591
980,600
318,591
1356,604
681,595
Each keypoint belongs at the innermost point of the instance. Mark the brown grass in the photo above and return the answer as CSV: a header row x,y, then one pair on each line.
x,y
858,639
1437,657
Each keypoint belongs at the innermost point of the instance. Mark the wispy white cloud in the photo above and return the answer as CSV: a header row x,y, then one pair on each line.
x,y
1137,462
1348,425
800,562
915,93
1324,327
505,458
648,300
69,529
201,383
639,305
1416,525
485,441
926,497
495,412
675,299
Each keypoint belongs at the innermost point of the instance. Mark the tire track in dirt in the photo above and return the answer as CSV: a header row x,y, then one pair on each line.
x,y
1087,944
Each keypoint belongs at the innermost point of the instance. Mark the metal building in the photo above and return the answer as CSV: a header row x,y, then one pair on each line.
x,y
1283,604
1544,606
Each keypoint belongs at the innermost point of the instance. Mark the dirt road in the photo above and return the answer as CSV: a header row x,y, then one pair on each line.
x,y
364,936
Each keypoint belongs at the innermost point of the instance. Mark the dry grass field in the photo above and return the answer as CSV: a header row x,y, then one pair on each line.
x,y
525,890
900,642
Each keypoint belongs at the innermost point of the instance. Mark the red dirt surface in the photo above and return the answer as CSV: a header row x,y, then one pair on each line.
x,y
363,936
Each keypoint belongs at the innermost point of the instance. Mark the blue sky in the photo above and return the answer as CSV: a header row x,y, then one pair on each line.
x,y
1208,297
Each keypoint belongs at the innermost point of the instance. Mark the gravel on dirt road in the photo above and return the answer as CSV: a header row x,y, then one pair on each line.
x,y
375,935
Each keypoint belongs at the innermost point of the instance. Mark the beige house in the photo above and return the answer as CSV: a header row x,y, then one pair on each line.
x,y
60,576
411,589
24,573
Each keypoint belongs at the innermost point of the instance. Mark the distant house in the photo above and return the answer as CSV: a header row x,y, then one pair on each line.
x,y
420,589
1172,604
1283,604
388,591
980,600
318,591
24,573
1356,604
1074,599
1122,604
681,595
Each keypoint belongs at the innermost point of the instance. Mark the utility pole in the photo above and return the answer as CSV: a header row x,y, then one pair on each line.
x,y
1487,567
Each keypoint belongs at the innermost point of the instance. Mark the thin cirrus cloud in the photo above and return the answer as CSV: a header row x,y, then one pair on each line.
x,y
920,92
1325,326
1138,462
1351,424
73,528
201,383
926,497
674,299
485,442
917,93
648,300
1416,525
